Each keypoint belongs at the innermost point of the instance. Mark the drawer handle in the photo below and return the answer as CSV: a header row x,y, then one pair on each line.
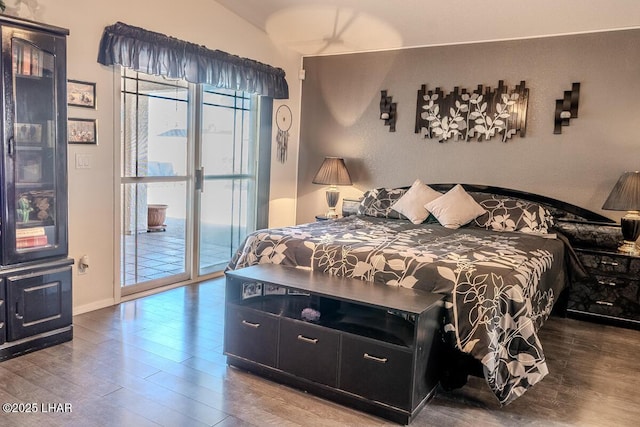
x,y
251,325
611,263
604,282
607,303
309,340
374,358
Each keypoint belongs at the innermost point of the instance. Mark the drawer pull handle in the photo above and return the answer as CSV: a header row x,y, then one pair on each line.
x,y
251,325
611,263
604,282
607,303
375,359
309,340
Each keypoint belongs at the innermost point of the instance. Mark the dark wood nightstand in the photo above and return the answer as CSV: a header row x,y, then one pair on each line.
x,y
611,292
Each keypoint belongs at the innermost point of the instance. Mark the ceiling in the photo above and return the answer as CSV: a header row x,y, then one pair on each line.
x,y
320,27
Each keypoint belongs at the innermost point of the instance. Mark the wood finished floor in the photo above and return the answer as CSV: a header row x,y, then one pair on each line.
x,y
157,361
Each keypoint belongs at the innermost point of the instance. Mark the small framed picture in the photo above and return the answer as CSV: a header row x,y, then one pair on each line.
x,y
251,289
271,289
28,133
82,131
81,94
29,166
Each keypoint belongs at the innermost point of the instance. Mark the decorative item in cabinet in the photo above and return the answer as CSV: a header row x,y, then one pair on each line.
x,y
36,206
27,60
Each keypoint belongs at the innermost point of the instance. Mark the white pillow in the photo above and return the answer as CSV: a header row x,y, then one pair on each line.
x,y
455,208
411,204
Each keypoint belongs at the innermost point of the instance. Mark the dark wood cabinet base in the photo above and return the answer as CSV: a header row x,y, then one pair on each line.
x,y
28,345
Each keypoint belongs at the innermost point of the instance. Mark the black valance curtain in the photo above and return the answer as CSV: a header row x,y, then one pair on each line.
x,y
155,53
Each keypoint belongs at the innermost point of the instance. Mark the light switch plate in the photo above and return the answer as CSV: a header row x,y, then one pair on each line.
x,y
83,161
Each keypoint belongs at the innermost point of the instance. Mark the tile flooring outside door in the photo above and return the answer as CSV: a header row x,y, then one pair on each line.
x,y
161,253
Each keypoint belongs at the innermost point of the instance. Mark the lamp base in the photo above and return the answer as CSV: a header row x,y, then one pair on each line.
x,y
630,224
629,248
333,195
331,214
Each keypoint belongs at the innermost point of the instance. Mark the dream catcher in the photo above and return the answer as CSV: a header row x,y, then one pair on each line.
x,y
283,122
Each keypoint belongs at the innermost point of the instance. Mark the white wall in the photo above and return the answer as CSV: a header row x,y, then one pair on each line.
x,y
93,194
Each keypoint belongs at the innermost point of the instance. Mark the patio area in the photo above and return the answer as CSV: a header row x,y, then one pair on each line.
x,y
158,254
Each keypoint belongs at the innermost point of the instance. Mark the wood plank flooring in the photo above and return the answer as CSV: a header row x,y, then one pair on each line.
x,y
158,361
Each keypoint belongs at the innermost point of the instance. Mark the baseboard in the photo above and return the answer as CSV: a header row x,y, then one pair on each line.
x,y
96,305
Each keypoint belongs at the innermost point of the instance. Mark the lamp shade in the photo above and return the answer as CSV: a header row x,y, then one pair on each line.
x,y
625,195
333,171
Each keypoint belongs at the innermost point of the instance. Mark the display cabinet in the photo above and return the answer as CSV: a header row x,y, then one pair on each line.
x,y
35,273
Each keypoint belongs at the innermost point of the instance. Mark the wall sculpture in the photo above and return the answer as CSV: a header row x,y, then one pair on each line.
x,y
566,108
480,114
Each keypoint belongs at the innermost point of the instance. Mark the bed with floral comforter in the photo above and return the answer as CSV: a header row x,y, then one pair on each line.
x,y
499,286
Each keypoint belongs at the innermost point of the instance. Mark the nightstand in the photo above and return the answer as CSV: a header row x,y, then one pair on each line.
x,y
611,292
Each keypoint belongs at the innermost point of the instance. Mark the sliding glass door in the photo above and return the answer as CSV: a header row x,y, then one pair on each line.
x,y
188,179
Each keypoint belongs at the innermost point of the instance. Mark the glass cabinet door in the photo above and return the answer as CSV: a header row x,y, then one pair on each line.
x,y
34,150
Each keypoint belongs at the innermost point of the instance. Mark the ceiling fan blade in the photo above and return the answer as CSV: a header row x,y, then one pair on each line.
x,y
346,25
323,48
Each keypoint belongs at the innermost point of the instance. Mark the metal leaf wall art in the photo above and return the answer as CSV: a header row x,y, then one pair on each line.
x,y
480,115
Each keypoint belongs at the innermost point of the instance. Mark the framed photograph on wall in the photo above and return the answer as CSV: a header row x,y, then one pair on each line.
x,y
82,131
81,94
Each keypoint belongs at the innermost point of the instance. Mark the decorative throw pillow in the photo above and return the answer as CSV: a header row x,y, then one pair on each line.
x,y
455,208
377,203
508,214
411,204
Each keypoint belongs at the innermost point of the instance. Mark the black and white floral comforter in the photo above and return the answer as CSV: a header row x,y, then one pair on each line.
x,y
499,286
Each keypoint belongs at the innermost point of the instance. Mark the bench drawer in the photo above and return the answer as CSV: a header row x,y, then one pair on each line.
x,y
251,335
309,351
379,372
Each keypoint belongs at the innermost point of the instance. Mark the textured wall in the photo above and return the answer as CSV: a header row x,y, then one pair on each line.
x,y
340,109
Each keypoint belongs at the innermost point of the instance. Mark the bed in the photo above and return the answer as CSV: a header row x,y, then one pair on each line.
x,y
501,272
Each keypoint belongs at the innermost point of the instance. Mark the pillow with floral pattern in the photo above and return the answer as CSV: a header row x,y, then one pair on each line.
x,y
508,214
377,202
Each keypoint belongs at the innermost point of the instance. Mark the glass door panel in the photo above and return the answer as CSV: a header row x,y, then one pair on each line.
x,y
155,180
228,157
225,215
154,248
33,148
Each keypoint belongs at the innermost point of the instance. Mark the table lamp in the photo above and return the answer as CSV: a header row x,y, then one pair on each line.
x,y
332,172
625,196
